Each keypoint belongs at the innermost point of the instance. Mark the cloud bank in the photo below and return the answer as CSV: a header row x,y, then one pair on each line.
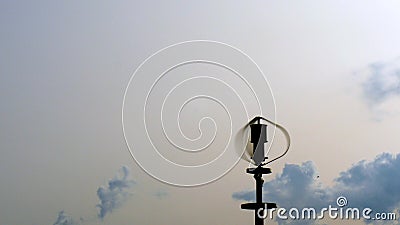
x,y
372,184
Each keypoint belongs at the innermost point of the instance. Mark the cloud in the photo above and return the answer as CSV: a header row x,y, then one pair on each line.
x,y
296,186
285,188
244,195
111,197
161,194
383,81
64,219
381,86
372,184
115,194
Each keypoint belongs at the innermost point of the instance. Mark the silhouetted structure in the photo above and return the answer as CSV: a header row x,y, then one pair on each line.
x,y
258,138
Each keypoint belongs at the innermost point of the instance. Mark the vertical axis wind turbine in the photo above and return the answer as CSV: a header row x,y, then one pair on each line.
x,y
258,139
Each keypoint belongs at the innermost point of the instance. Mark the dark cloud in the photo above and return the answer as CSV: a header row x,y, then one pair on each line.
x,y
381,88
64,219
111,197
374,184
244,195
115,194
297,186
383,81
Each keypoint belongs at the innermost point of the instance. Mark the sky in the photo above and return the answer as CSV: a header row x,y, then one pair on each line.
x,y
333,68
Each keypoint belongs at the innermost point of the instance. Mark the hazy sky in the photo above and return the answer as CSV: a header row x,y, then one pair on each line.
x,y
333,67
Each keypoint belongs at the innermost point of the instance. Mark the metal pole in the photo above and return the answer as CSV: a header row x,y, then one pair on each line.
x,y
258,138
259,185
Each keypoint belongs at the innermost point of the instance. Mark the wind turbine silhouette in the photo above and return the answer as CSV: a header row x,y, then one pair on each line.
x,y
258,139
